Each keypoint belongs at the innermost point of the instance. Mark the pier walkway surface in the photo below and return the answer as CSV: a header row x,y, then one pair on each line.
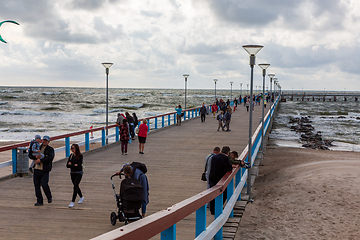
x,y
175,158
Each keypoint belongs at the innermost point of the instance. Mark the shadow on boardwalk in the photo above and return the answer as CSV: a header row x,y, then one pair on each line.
x,y
175,159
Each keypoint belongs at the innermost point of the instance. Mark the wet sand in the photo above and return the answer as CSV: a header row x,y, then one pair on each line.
x,y
304,194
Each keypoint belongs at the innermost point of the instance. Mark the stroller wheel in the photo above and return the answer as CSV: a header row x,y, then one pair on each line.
x,y
113,218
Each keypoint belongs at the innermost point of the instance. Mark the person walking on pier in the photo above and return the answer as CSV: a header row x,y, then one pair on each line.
x,y
214,108
247,105
220,165
220,119
143,130
124,136
42,170
227,118
178,110
203,112
75,163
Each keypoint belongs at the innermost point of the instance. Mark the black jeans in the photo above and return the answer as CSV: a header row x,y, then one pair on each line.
x,y
41,178
76,178
203,117
212,202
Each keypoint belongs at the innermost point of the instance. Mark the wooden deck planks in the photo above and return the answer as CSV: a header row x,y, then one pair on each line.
x,y
175,159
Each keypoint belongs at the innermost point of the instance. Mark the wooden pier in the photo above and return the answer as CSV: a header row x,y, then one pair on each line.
x,y
175,158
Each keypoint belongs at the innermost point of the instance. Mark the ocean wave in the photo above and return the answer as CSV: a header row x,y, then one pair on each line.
x,y
16,130
131,106
3,103
103,110
203,96
21,112
51,93
129,94
9,97
170,94
88,92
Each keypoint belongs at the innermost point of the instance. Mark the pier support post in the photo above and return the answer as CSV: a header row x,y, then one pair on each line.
x,y
218,212
230,192
67,147
14,160
103,137
169,234
169,120
117,133
87,142
156,123
162,121
200,220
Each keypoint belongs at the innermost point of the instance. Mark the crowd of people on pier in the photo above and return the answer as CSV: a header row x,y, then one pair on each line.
x,y
216,166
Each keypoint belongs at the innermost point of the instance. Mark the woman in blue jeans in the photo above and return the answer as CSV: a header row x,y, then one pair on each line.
x,y
75,163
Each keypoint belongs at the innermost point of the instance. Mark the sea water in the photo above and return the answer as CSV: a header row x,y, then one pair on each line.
x,y
337,121
26,111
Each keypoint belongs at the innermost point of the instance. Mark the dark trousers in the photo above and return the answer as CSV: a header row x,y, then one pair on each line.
x,y
41,178
76,178
203,117
124,146
212,202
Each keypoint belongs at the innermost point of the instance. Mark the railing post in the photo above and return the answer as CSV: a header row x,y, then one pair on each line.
x,y
162,121
200,220
103,137
156,123
14,160
218,212
188,114
230,192
169,234
169,120
67,146
117,133
87,142
148,124
174,118
192,113
185,116
239,175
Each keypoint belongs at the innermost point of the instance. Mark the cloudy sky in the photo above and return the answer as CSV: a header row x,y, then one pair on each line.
x,y
310,44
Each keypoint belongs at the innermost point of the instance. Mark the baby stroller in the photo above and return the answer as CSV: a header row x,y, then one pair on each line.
x,y
128,201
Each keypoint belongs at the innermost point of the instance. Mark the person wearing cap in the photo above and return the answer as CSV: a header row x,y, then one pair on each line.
x,y
35,150
43,166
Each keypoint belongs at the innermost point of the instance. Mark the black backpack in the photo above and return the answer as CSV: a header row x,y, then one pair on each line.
x,y
30,153
139,165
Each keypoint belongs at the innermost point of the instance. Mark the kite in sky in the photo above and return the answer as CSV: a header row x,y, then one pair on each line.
x,y
9,21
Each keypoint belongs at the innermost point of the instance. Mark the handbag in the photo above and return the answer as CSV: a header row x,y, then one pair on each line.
x,y
203,177
137,131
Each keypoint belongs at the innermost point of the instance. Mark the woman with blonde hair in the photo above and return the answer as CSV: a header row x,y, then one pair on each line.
x,y
143,130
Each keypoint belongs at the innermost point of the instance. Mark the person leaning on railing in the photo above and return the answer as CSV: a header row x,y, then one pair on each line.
x,y
143,130
178,110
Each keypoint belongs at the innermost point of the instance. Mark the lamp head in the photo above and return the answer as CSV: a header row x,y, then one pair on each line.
x,y
271,75
107,64
186,76
215,80
252,50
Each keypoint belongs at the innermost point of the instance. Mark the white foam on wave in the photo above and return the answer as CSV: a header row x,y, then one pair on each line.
x,y
139,105
3,103
51,93
170,94
21,112
103,110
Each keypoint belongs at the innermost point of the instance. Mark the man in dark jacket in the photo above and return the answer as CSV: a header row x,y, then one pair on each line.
x,y
42,169
220,165
203,112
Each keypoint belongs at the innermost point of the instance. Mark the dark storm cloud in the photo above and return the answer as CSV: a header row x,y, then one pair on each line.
x,y
260,13
90,4
40,20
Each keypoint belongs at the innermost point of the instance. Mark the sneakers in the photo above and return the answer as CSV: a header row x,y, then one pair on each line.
x,y
81,200
71,205
38,204
126,153
141,152
49,200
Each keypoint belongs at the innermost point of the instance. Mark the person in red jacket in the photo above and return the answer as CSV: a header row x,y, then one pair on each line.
x,y
214,108
143,130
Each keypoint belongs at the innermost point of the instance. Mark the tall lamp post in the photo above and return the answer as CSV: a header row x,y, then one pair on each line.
x,y
231,91
274,80
186,76
107,66
263,66
247,85
215,80
271,75
252,50
240,88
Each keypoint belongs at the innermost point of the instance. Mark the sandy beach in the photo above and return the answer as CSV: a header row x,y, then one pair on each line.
x,y
304,194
